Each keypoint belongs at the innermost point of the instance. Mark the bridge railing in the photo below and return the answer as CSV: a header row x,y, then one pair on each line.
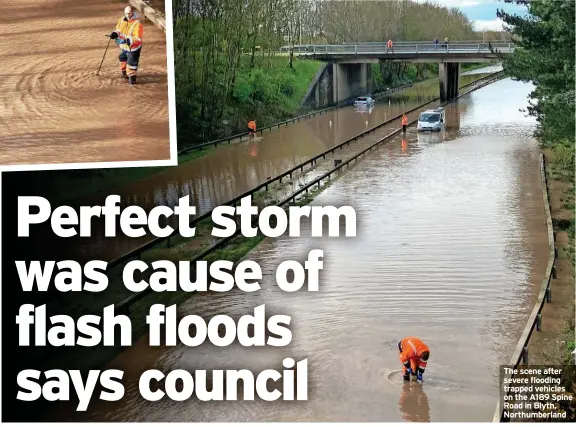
x,y
401,47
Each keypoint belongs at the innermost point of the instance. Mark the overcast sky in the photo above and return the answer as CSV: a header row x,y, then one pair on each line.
x,y
483,12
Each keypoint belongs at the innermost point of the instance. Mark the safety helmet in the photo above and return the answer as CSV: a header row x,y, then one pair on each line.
x,y
400,346
425,356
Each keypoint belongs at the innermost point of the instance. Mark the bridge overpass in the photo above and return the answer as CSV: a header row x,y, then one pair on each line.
x,y
350,74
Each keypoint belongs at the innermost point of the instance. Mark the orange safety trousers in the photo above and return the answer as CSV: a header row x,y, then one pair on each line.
x,y
412,350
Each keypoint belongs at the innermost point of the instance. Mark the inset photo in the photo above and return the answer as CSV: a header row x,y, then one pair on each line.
x,y
85,84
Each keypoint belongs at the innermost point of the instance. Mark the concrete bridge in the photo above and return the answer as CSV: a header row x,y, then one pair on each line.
x,y
350,72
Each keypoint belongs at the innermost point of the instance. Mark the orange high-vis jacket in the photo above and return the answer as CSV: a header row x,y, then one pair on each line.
x,y
131,30
412,348
404,120
252,125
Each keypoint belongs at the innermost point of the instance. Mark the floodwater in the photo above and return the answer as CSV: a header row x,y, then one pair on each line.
x,y
451,248
231,170
54,107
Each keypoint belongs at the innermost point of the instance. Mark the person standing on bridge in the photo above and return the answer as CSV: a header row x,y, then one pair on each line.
x,y
404,122
414,355
128,37
389,46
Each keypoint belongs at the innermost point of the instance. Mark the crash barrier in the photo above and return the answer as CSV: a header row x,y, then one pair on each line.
x,y
124,305
153,15
520,355
229,139
135,253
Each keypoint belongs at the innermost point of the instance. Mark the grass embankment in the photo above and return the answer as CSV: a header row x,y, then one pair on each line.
x,y
561,313
554,344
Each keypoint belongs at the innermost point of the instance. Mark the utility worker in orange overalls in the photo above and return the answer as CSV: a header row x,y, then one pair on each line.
x,y
389,46
414,355
251,128
404,122
128,37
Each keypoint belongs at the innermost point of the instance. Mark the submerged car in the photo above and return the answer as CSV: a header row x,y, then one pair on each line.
x,y
364,101
432,120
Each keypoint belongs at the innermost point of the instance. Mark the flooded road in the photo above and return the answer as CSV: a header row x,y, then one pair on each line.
x,y
54,107
451,248
231,170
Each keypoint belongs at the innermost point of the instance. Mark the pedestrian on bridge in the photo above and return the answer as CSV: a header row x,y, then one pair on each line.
x,y
404,122
436,43
389,46
414,355
128,37
446,43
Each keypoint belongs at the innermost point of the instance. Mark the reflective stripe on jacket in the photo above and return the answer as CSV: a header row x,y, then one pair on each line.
x,y
412,348
130,30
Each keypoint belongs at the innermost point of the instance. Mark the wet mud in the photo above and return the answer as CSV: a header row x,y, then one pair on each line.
x,y
451,248
54,107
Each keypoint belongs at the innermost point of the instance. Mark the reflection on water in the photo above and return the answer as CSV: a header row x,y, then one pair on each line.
x,y
414,404
451,247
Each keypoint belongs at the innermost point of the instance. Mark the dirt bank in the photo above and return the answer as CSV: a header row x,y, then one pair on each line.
x,y
549,346
55,109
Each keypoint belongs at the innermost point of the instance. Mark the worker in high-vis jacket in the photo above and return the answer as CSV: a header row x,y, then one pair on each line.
x,y
404,123
414,355
252,128
128,37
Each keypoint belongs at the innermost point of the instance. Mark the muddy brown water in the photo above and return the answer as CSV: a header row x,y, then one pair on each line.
x,y
231,170
54,107
451,247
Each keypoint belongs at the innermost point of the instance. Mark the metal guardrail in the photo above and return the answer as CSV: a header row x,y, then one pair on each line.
x,y
229,139
422,47
520,354
124,305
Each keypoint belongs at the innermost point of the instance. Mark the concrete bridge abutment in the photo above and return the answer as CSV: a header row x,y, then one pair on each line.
x,y
350,80
449,76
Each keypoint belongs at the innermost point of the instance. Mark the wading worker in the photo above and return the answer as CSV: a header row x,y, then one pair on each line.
x,y
128,37
404,122
414,355
251,128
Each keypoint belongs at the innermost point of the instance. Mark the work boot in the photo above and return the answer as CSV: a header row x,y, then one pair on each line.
x,y
406,377
124,74
132,80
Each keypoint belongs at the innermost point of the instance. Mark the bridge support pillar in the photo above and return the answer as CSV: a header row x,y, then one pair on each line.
x,y
350,80
449,76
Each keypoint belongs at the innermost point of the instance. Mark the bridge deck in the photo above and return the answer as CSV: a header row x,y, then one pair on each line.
x,y
474,51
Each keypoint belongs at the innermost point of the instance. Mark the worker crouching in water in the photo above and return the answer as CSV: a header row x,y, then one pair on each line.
x,y
414,355
128,37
